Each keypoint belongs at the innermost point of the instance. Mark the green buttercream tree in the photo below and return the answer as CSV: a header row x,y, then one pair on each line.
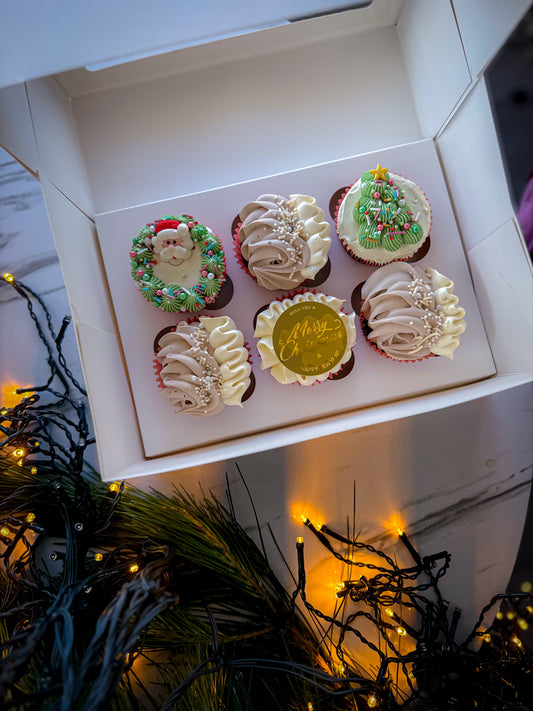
x,y
384,217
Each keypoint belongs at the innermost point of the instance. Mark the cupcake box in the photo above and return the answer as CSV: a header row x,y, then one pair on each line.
x,y
122,146
277,408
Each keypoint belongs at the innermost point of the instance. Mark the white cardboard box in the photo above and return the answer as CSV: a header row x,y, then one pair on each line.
x,y
262,104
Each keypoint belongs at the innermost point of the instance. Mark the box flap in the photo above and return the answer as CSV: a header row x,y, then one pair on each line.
x,y
435,60
78,34
79,256
16,129
473,166
114,419
381,13
57,141
495,18
502,274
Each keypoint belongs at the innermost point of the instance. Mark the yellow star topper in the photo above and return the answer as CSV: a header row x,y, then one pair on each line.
x,y
379,173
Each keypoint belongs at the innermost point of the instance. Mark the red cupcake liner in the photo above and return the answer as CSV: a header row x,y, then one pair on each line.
x,y
366,330
368,262
238,254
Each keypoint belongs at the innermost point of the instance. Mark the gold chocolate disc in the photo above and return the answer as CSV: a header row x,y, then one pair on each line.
x,y
309,338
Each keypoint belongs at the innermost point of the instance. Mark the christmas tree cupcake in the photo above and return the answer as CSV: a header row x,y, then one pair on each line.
x,y
203,366
383,218
282,242
305,338
409,314
178,263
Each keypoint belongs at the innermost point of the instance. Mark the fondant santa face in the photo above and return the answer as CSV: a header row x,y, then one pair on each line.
x,y
173,244
176,257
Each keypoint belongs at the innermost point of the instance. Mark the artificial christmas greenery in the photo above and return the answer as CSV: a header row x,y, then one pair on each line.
x,y
114,598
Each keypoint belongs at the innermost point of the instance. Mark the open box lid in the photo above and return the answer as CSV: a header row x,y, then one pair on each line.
x,y
100,34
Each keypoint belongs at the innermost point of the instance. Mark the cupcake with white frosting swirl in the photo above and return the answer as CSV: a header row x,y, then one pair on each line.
x,y
202,367
409,314
282,242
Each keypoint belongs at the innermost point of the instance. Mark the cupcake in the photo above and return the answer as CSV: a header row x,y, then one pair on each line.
x,y
178,263
202,367
409,314
305,338
383,218
282,243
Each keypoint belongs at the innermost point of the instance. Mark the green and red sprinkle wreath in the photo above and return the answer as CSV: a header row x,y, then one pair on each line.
x,y
175,297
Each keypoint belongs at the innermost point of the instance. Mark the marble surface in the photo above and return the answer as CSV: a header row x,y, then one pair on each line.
x,y
28,252
456,479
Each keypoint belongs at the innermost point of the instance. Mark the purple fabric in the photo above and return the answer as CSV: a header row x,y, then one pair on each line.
x,y
525,214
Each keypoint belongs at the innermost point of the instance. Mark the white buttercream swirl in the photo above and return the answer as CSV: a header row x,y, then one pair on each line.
x,y
264,330
284,241
231,355
411,313
190,374
204,366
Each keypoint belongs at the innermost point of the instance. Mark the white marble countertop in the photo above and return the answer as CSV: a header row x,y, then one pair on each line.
x,y
457,479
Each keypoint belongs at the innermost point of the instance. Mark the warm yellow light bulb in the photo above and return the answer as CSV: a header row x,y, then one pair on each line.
x,y
372,702
33,470
517,641
411,675
522,623
299,539
19,452
399,531
339,589
401,631
134,568
20,462
99,557
389,612
30,517
499,615
319,526
5,531
304,519
486,637
9,277
310,706
3,411
529,609
114,487
510,615
526,586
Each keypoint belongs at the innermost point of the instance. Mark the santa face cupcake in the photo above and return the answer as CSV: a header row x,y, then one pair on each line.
x,y
178,263
282,242
202,367
383,218
409,314
305,338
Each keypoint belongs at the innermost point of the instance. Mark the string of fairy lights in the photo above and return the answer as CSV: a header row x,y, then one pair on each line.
x,y
406,603
396,613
